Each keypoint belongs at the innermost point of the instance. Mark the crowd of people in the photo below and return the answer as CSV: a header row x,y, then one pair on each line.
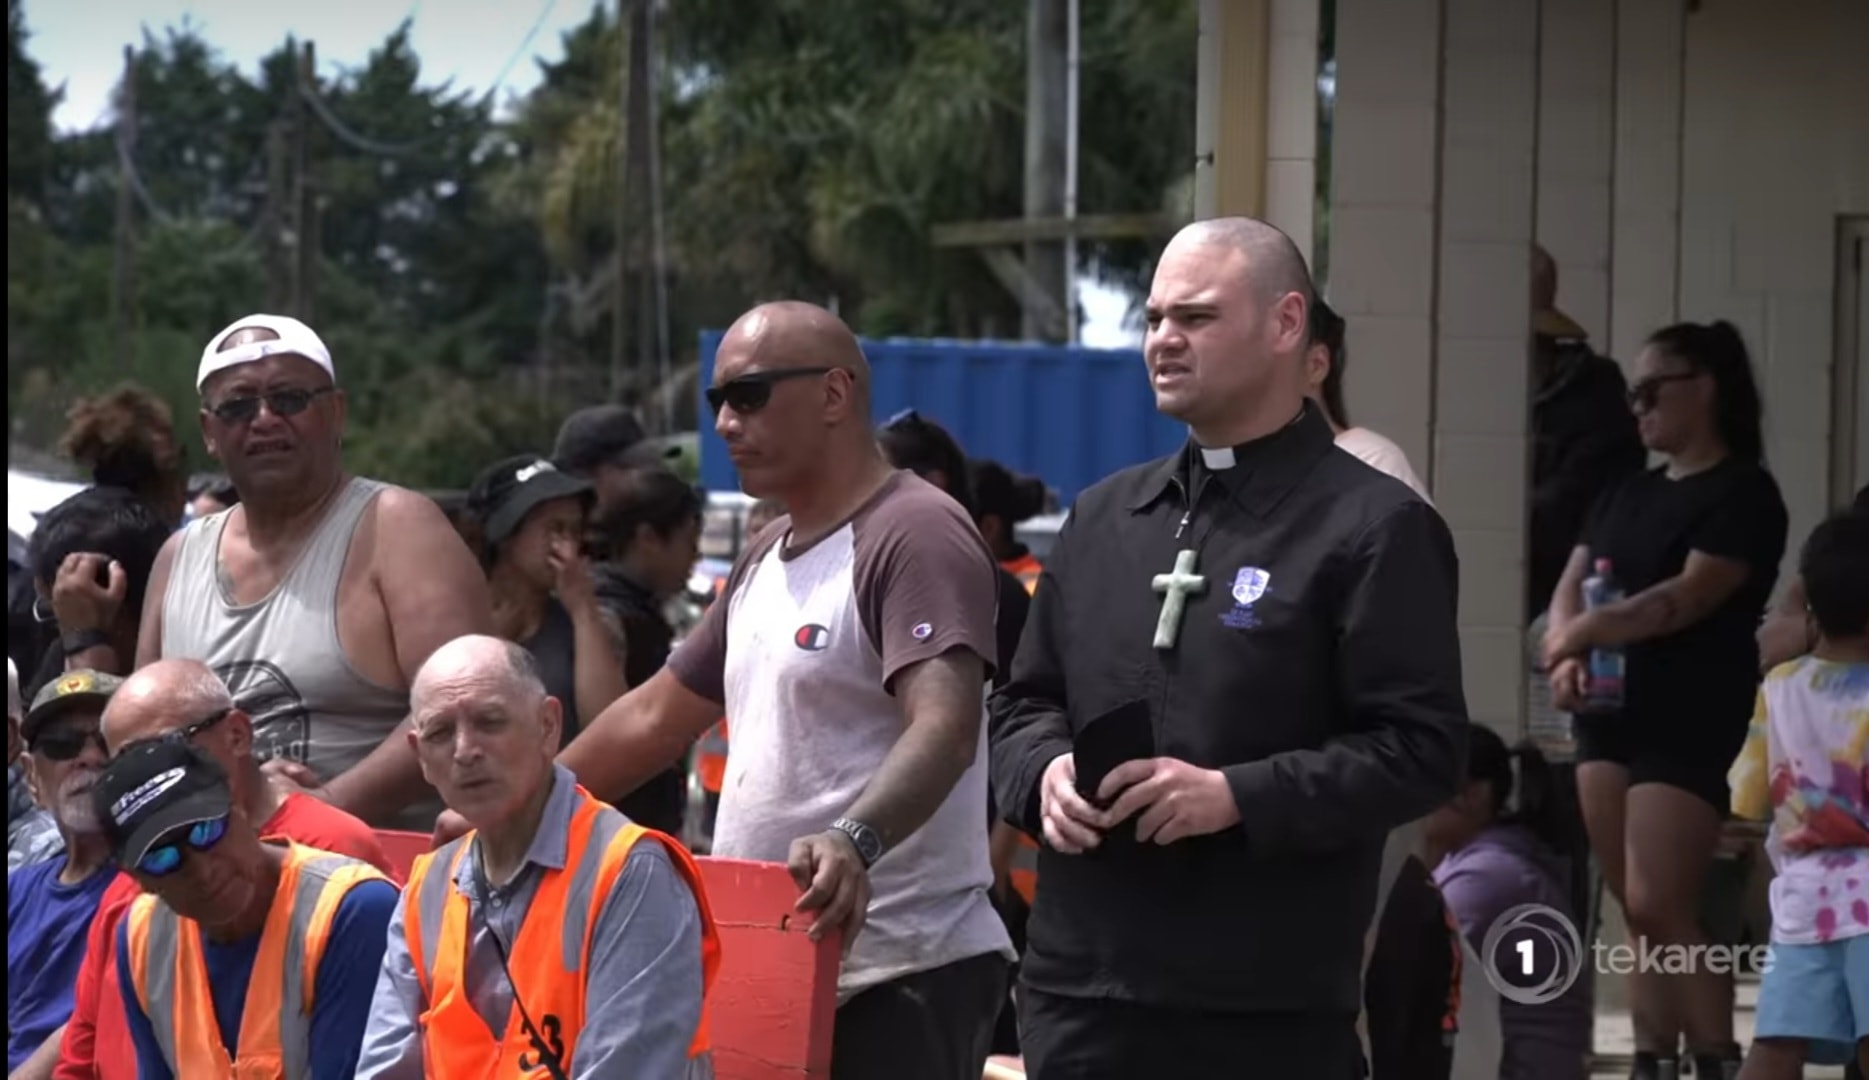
x,y
1194,794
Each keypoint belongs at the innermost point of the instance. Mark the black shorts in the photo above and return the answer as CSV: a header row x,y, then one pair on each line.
x,y
1694,757
932,1025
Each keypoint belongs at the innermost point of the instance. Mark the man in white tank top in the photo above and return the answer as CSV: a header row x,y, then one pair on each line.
x,y
318,596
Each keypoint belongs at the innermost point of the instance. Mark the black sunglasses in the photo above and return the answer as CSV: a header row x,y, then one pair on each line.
x,y
184,734
1645,394
66,741
242,410
751,393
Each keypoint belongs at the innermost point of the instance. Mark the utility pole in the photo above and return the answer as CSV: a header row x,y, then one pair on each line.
x,y
273,233
123,278
1046,109
636,185
304,203
619,295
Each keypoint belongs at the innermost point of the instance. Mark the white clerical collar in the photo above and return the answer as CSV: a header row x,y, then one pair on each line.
x,y
1217,458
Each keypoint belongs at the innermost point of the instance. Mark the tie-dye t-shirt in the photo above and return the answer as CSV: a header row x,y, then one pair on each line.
x,y
1806,764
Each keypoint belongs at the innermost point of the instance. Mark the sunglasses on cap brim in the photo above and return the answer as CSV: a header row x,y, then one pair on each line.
x,y
753,392
165,857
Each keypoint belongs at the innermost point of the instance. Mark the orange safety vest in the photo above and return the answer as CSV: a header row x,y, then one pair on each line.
x,y
1025,869
547,976
1026,568
710,758
171,977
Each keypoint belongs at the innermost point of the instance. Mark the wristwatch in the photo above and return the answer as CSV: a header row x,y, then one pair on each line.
x,y
868,842
77,641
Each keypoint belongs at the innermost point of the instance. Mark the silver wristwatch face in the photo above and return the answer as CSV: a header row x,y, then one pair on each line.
x,y
868,844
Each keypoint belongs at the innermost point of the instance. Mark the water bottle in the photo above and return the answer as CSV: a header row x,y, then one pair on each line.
x,y
1604,671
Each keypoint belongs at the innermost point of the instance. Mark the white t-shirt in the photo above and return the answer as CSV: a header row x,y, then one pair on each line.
x,y
1380,453
803,650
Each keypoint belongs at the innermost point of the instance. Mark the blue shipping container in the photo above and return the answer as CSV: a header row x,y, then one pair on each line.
x,y
1068,415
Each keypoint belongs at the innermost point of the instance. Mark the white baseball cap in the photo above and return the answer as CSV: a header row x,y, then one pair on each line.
x,y
294,339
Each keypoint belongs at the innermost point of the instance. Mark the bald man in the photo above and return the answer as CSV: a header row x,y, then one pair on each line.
x,y
851,647
477,974
182,700
1239,673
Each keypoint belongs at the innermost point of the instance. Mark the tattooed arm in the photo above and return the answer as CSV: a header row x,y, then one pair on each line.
x,y
1706,582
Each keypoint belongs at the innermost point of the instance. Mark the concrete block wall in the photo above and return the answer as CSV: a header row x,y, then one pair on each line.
x,y
1489,174
1576,154
1645,264
1385,168
1774,150
1291,133
1677,165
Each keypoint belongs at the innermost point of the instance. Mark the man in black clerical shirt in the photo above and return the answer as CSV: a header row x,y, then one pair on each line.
x,y
1273,621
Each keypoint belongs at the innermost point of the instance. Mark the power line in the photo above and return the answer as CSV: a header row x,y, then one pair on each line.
x,y
357,141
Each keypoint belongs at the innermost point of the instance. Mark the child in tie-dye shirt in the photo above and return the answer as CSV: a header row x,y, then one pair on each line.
x,y
1806,765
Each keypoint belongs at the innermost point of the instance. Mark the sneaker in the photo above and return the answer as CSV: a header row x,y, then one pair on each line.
x,y
1651,1066
1717,1064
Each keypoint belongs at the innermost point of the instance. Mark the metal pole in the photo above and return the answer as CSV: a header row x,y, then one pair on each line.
x,y
653,114
1073,54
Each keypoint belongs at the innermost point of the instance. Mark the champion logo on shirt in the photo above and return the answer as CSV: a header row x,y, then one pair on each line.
x,y
812,638
921,631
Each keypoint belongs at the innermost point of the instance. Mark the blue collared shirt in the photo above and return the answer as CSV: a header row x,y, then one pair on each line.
x,y
643,978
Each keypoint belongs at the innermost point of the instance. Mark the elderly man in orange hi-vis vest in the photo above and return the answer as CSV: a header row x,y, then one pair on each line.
x,y
556,941
245,958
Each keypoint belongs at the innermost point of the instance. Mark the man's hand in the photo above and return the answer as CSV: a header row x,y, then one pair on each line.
x,y
449,827
1071,825
79,602
1177,800
1570,684
836,884
292,776
575,587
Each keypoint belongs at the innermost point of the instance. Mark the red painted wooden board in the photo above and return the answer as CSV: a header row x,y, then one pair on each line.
x,y
401,848
775,996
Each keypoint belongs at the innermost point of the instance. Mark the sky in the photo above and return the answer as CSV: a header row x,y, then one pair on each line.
x,y
79,43
79,46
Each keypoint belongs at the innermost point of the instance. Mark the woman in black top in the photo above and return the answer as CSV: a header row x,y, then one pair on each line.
x,y
1695,545
526,520
648,536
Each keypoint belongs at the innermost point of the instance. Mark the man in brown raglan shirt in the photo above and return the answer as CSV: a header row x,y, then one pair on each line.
x,y
851,649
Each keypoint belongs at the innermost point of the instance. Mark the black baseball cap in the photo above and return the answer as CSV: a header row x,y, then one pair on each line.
x,y
153,789
608,435
505,493
73,690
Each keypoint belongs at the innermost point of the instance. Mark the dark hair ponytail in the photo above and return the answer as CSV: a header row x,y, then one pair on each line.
x,y
1718,349
1327,330
1525,791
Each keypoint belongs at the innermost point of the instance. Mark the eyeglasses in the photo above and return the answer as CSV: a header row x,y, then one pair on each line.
x,y
66,741
1647,393
184,734
243,410
751,393
166,858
